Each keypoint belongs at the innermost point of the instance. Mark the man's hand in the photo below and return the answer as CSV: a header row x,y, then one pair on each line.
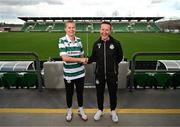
x,y
84,60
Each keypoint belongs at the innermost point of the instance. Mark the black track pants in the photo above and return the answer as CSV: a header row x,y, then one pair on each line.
x,y
112,89
69,85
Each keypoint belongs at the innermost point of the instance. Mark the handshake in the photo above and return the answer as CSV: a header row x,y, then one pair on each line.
x,y
84,60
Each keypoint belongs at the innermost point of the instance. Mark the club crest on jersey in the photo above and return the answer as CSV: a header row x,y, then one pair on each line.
x,y
78,45
111,46
97,81
68,81
99,45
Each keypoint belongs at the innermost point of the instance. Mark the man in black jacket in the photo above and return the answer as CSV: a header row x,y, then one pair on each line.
x,y
107,53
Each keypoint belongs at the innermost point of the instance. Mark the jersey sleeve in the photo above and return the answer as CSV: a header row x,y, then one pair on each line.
x,y
62,48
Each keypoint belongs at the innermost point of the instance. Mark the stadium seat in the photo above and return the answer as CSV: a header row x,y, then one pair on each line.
x,y
40,26
140,79
151,80
176,80
162,80
27,26
81,27
140,27
10,80
96,27
58,27
29,80
1,80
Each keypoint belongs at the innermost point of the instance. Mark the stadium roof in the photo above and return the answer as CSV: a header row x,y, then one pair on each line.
x,y
90,18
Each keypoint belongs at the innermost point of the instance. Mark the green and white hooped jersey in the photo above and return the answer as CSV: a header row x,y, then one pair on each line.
x,y
72,70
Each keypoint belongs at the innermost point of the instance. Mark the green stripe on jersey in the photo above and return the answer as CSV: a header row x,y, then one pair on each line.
x,y
76,56
72,66
73,48
62,49
74,74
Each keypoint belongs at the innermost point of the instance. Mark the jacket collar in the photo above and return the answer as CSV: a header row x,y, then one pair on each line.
x,y
110,38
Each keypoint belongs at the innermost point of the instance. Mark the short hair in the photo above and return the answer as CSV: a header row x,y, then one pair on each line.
x,y
108,23
69,21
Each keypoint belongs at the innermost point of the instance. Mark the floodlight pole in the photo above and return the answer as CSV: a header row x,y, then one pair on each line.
x,y
87,40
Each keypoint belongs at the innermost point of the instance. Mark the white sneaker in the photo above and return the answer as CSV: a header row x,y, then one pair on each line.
x,y
114,116
98,115
82,114
69,115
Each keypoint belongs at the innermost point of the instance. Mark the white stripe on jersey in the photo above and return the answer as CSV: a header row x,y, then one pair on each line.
x,y
74,77
73,70
61,45
63,53
70,63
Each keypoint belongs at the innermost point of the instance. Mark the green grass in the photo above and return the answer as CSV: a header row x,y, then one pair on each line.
x,y
46,44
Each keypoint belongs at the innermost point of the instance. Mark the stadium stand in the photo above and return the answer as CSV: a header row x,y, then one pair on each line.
x,y
154,28
96,27
27,26
120,24
120,27
141,27
40,27
81,26
59,26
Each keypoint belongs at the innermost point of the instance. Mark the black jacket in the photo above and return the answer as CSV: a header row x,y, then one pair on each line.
x,y
107,56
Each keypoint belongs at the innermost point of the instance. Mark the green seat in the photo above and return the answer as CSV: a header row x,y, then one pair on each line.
x,y
176,80
30,80
151,81
1,81
140,79
10,79
162,79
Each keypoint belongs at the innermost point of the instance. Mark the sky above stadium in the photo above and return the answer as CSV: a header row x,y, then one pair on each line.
x,y
11,9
